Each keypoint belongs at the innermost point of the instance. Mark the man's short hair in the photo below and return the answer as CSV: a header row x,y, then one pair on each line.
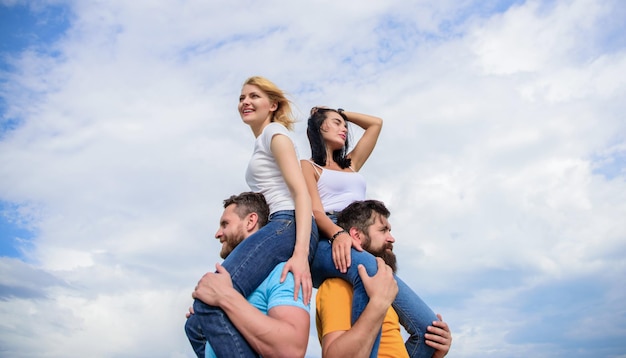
x,y
250,202
359,214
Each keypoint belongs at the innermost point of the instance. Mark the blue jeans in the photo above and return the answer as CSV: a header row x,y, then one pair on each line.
x,y
249,264
415,316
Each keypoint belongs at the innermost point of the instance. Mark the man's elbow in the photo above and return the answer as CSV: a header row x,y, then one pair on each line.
x,y
296,351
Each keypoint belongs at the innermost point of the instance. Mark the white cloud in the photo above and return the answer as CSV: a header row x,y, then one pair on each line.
x,y
499,128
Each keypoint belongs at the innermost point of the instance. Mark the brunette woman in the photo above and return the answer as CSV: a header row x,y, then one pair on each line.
x,y
333,179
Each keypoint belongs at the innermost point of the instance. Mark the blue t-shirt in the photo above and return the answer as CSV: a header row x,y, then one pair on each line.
x,y
269,294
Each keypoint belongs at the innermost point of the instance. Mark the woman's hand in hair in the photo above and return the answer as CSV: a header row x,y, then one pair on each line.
x,y
316,108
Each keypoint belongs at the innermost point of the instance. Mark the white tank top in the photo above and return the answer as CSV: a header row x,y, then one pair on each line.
x,y
339,189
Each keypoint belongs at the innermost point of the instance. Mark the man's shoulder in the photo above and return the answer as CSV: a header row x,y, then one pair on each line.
x,y
333,302
334,290
281,293
336,285
272,285
274,277
272,282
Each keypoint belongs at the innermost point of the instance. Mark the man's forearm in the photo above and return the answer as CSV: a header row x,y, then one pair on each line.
x,y
359,340
268,335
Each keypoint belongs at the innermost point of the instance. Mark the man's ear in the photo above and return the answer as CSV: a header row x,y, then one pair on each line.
x,y
252,220
355,233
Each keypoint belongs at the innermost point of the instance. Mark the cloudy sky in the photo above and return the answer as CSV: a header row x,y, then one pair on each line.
x,y
502,158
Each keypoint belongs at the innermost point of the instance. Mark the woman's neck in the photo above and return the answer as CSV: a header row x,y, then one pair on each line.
x,y
330,161
329,155
258,129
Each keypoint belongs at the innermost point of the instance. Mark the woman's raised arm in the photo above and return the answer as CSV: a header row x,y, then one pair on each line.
x,y
364,147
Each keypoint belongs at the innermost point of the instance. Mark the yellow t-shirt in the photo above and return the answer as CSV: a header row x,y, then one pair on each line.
x,y
333,309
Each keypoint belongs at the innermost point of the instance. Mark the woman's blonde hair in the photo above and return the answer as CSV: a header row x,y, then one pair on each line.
x,y
283,113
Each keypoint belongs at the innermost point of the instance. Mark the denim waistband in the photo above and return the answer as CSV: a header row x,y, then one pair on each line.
x,y
333,215
283,214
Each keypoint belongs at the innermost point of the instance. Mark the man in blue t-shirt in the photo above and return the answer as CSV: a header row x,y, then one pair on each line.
x,y
269,319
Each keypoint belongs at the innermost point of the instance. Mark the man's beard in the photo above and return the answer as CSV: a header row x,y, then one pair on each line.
x,y
384,253
230,245
390,259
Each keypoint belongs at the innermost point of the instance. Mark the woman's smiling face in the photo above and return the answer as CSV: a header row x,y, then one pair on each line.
x,y
255,105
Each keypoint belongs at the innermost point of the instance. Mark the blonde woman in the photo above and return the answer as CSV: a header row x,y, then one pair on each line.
x,y
291,233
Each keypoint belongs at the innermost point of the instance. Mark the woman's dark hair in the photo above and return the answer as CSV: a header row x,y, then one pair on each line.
x,y
316,141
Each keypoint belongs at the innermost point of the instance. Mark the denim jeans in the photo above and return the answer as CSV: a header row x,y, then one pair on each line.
x,y
415,316
248,264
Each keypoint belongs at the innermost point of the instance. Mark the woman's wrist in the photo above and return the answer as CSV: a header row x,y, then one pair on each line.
x,y
343,113
342,231
300,253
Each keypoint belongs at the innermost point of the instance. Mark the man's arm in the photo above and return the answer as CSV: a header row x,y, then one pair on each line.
x,y
284,331
439,337
359,340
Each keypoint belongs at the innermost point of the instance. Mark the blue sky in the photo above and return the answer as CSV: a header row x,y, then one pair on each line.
x,y
25,26
14,234
22,28
502,159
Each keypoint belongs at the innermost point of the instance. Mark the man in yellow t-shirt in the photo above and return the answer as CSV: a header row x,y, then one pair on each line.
x,y
366,221
333,300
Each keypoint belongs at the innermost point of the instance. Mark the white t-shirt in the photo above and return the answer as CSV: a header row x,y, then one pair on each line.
x,y
263,174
